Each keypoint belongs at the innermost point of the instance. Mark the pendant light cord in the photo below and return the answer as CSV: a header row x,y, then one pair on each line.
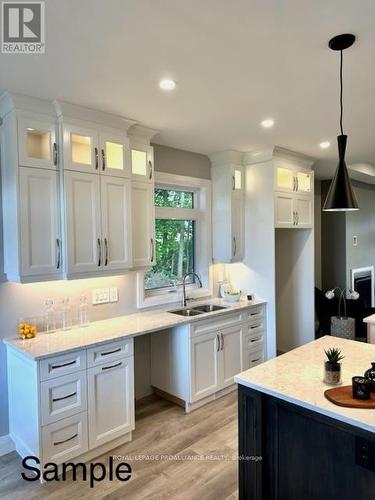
x,y
341,103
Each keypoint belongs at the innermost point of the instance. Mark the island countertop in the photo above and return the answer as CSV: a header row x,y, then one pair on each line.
x,y
117,328
297,377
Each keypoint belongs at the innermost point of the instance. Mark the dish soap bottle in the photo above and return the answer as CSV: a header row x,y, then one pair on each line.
x,y
66,314
49,317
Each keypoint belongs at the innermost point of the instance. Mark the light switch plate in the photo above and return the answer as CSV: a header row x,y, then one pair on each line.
x,y
113,294
100,296
355,241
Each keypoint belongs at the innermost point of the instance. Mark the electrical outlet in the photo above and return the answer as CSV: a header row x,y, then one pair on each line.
x,y
355,241
113,294
100,296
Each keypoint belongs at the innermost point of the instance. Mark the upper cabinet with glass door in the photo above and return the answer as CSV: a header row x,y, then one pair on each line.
x,y
293,180
81,148
37,146
142,162
114,154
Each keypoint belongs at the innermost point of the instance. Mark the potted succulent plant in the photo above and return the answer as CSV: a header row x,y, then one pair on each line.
x,y
332,366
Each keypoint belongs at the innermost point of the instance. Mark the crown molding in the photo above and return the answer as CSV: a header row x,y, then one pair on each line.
x,y
140,133
10,101
225,158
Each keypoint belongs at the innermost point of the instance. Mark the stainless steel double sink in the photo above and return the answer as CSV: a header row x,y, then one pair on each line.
x,y
195,311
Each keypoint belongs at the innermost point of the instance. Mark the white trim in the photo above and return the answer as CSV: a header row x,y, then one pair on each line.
x,y
6,445
365,270
202,215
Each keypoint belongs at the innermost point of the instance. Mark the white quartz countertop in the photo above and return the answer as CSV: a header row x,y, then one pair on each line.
x,y
370,319
131,325
297,377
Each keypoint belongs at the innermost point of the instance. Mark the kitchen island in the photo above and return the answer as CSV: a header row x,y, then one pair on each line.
x,y
293,443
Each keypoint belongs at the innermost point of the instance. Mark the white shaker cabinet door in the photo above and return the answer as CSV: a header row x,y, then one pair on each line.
x,y
284,210
304,211
143,222
40,244
204,366
83,236
116,222
110,401
231,354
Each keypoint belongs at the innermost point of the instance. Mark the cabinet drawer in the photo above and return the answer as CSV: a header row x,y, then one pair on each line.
x,y
62,365
253,358
108,352
253,342
254,313
220,322
254,327
63,396
65,439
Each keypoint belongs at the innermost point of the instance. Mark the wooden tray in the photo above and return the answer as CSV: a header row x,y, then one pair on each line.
x,y
342,396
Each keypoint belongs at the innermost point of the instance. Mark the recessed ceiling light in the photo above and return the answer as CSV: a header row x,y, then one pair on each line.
x,y
324,144
268,123
167,84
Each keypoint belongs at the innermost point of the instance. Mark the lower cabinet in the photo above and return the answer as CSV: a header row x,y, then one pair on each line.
x,y
110,401
73,403
198,361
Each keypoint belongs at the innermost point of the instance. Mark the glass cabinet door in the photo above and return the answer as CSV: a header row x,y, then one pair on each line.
x,y
142,162
237,180
81,149
37,143
114,155
285,179
303,182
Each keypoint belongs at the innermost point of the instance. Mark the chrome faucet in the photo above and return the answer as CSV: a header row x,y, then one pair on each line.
x,y
184,300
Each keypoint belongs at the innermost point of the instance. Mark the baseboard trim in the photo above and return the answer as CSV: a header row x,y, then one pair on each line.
x,y
6,445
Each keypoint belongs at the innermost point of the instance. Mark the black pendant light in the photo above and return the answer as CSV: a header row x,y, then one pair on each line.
x,y
341,196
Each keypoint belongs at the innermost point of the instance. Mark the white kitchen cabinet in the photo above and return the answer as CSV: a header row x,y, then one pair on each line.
x,y
110,401
114,154
37,146
196,363
143,221
81,148
116,221
204,365
227,209
84,251
39,232
293,211
231,354
293,179
142,162
74,409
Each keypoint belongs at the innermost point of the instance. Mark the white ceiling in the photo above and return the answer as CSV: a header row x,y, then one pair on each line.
x,y
236,63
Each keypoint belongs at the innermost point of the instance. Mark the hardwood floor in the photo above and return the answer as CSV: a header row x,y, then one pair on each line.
x,y
161,429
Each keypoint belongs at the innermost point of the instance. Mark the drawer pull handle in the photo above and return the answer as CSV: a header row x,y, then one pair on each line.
x,y
255,326
255,340
112,366
66,440
64,397
255,360
110,352
54,367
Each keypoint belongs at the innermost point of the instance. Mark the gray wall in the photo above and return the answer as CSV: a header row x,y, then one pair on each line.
x,y
177,161
362,225
339,255
17,301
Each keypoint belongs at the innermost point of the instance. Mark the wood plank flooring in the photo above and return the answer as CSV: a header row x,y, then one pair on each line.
x,y
162,428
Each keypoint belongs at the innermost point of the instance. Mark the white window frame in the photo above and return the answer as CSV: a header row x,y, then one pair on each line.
x,y
201,214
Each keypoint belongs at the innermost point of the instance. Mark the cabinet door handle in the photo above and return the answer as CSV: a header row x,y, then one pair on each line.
x,y
217,343
112,366
106,251
103,160
69,363
233,183
234,246
110,352
55,154
297,218
58,257
64,397
150,169
99,253
152,249
222,341
96,158
294,218
65,440
297,183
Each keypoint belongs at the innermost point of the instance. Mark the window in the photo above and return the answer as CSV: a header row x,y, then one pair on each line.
x,y
183,240
174,239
